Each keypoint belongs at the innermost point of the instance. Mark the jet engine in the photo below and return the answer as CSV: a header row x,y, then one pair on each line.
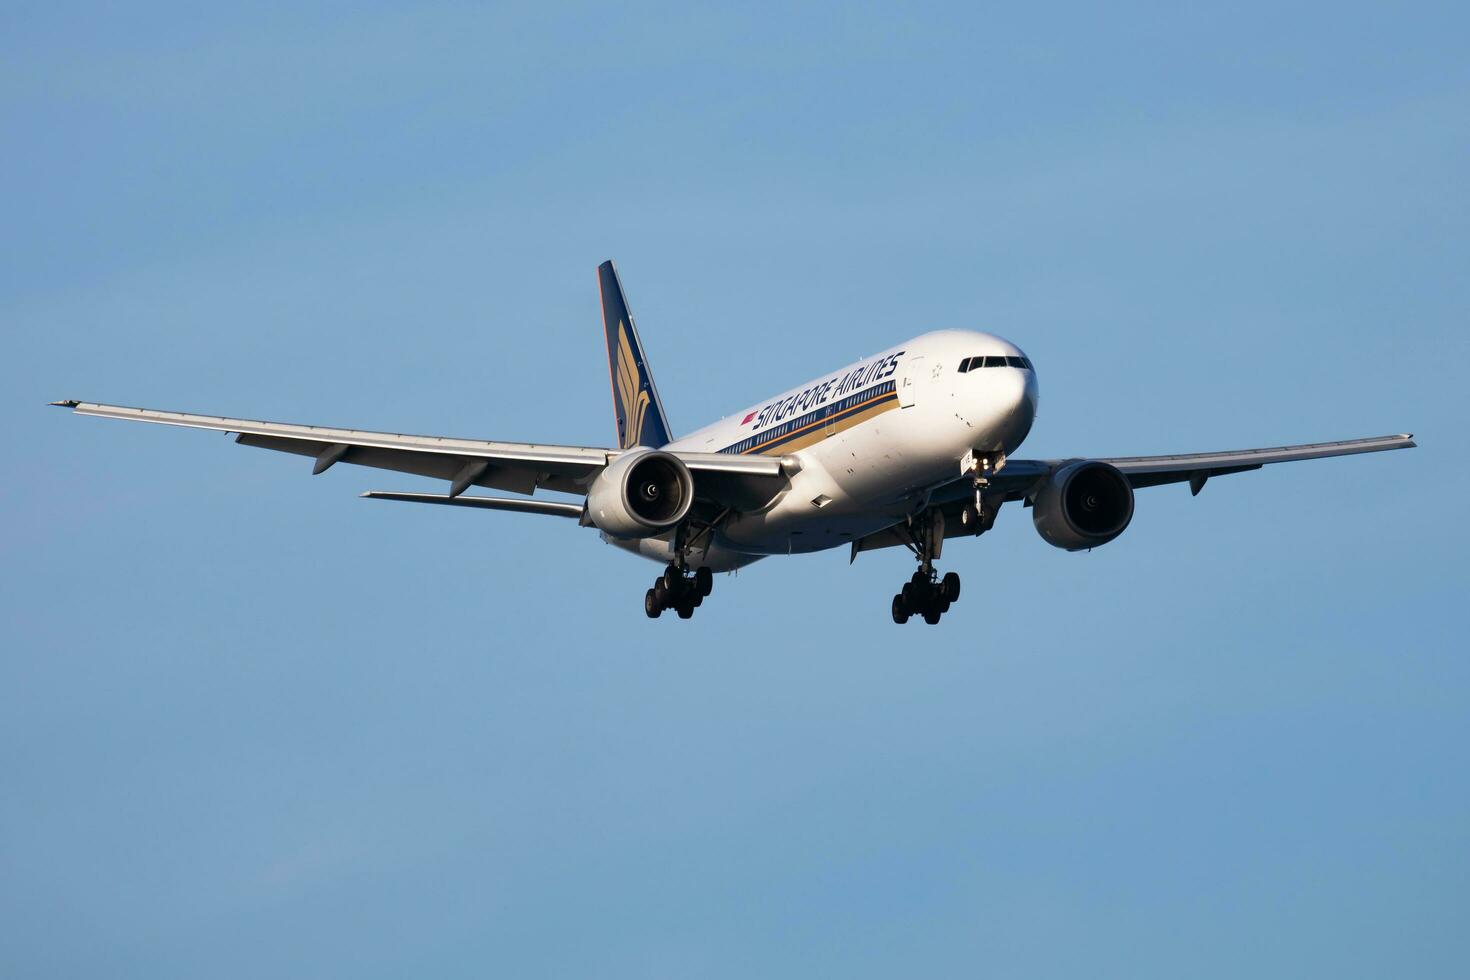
x,y
640,493
1084,504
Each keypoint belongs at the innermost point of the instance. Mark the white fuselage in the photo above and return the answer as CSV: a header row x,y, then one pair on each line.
x,y
870,440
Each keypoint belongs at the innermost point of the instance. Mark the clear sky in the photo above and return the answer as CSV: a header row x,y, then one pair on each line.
x,y
251,725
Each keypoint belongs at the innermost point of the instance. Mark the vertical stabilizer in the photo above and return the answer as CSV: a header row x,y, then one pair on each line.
x,y
636,407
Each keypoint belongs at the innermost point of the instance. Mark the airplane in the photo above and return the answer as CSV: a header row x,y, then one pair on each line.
x,y
907,448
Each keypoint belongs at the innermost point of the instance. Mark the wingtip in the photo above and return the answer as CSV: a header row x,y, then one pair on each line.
x,y
66,403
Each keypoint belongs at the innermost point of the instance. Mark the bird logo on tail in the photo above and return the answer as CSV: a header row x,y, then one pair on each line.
x,y
631,393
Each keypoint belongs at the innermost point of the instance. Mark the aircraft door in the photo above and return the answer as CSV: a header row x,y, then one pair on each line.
x,y
908,382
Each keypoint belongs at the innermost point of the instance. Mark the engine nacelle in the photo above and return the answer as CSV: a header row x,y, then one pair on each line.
x,y
1084,504
642,492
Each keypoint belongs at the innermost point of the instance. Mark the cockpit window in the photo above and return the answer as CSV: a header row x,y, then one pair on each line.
x,y
994,361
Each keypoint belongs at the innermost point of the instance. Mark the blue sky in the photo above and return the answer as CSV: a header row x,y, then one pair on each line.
x,y
251,725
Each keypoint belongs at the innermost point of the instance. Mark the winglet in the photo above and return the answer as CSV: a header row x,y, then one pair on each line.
x,y
68,403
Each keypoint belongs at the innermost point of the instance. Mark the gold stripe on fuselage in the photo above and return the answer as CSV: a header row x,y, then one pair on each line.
x,y
815,432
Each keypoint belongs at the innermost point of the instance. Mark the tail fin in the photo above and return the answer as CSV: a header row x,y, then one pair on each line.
x,y
636,406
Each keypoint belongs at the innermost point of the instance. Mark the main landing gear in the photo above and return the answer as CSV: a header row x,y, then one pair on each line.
x,y
679,590
926,595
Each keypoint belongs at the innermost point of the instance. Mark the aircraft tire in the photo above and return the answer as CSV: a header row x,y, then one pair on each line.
x,y
931,616
651,604
951,586
685,610
900,610
704,580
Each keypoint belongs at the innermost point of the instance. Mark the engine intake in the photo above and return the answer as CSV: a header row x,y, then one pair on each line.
x,y
642,492
1084,504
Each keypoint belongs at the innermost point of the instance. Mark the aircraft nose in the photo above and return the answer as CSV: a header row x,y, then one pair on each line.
x,y
1031,396
1022,398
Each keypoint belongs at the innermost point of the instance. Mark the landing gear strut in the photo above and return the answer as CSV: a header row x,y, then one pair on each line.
x,y
926,594
679,590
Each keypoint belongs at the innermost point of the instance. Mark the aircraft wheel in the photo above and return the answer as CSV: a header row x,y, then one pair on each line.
x,y
651,605
704,580
900,610
951,586
931,616
661,592
919,578
912,597
672,579
685,610
696,600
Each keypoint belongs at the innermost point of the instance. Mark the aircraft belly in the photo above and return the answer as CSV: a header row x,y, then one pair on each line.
x,y
719,557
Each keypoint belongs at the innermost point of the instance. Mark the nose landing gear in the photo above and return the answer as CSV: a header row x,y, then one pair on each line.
x,y
678,590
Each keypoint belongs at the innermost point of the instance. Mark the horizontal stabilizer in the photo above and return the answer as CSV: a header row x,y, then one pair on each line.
x,y
551,507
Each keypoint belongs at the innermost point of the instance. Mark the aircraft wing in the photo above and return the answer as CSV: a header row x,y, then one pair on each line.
x,y
517,467
1019,479
1196,468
